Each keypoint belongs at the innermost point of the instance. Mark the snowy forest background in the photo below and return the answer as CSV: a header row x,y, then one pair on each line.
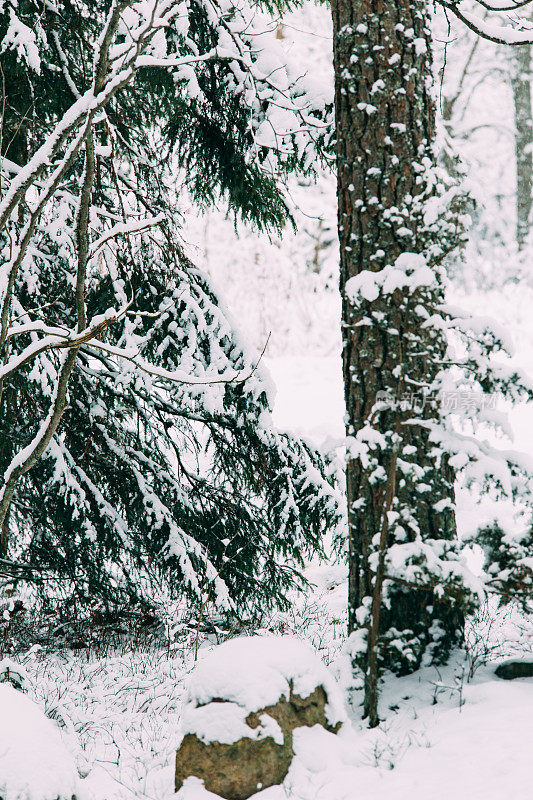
x,y
246,343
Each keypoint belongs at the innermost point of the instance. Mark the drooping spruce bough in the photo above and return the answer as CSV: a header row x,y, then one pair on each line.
x,y
136,443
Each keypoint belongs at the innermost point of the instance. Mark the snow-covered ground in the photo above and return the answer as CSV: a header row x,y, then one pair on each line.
x,y
478,750
442,734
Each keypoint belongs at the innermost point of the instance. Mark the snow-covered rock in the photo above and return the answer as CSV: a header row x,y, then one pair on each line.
x,y
512,669
34,762
256,671
245,700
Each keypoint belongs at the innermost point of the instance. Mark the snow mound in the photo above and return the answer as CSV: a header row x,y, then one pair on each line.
x,y
34,762
254,672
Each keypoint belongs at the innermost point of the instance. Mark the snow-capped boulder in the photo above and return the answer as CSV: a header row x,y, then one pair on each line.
x,y
510,670
245,698
34,762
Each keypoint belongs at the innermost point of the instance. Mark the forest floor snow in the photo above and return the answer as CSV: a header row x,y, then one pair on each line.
x,y
442,736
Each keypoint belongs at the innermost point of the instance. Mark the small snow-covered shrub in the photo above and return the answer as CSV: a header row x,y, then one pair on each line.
x,y
508,562
13,673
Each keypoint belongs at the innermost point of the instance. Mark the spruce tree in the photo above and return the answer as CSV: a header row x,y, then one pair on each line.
x,y
139,456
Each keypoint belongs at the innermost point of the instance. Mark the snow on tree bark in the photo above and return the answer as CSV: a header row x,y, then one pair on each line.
x,y
400,218
385,121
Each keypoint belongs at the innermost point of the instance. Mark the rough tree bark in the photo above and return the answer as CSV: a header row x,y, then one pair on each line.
x,y
385,119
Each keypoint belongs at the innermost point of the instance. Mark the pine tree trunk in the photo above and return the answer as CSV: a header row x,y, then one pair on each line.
x,y
521,87
385,120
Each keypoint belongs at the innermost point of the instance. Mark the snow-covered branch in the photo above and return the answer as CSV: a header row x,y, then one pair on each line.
x,y
499,34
